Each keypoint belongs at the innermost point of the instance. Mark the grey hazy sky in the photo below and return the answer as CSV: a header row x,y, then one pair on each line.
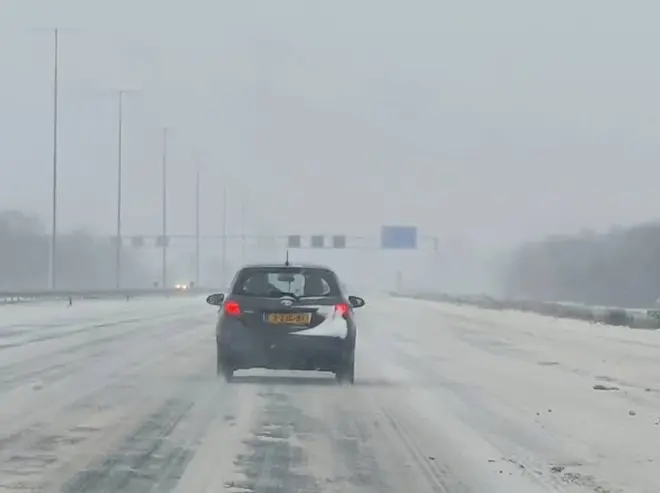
x,y
493,120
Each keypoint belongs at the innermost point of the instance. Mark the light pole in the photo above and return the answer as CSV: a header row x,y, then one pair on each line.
x,y
164,209
52,269
120,94
243,238
197,222
52,250
224,234
120,125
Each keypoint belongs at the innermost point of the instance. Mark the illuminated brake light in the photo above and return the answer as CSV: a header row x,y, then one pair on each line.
x,y
232,308
342,309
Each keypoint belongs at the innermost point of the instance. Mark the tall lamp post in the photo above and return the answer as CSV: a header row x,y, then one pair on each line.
x,y
52,268
118,239
164,208
197,222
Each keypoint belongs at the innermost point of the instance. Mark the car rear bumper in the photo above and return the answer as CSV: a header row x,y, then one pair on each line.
x,y
245,349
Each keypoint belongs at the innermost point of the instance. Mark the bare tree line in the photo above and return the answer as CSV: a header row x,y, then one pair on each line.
x,y
617,268
84,261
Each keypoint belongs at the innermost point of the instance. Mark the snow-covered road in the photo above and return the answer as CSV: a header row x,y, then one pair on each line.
x,y
113,396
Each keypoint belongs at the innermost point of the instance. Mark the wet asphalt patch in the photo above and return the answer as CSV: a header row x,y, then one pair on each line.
x,y
276,461
144,459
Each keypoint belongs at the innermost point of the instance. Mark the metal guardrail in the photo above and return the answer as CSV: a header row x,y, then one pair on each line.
x,y
23,296
624,317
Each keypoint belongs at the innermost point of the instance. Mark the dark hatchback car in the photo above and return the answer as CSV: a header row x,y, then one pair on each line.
x,y
286,317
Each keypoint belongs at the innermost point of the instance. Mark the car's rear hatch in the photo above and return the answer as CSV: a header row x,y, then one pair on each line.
x,y
286,314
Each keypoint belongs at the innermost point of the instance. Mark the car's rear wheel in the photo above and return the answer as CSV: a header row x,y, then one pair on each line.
x,y
227,373
346,372
222,368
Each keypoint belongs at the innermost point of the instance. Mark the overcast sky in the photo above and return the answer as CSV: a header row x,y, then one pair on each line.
x,y
492,120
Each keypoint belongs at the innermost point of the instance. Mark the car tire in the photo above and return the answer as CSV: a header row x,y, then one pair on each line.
x,y
227,373
222,368
345,374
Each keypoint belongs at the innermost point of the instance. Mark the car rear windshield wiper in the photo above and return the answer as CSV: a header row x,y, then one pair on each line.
x,y
292,295
271,294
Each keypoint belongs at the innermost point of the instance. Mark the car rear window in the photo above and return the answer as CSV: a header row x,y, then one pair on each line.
x,y
277,281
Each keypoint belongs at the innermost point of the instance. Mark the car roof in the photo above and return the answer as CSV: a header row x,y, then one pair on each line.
x,y
285,266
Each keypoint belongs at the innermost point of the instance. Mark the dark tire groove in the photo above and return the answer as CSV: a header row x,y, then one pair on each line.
x,y
144,458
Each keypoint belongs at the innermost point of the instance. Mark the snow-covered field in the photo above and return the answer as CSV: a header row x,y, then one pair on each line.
x,y
122,396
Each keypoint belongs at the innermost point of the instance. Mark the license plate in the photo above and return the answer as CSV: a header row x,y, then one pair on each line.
x,y
290,318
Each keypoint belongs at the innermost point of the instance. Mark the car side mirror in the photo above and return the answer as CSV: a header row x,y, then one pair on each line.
x,y
215,299
356,301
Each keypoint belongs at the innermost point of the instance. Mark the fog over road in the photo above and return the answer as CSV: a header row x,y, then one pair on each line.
x,y
112,396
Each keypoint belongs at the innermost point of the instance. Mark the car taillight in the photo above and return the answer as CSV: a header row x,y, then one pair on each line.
x,y
342,309
232,308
